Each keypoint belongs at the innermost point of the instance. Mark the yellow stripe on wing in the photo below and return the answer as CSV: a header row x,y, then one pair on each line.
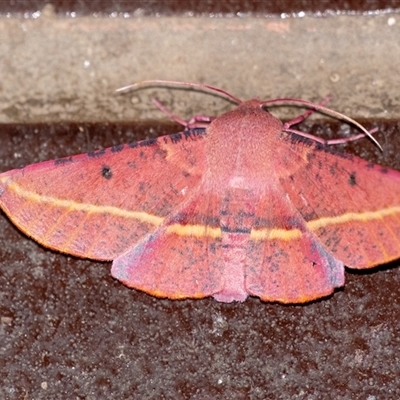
x,y
86,207
313,225
199,230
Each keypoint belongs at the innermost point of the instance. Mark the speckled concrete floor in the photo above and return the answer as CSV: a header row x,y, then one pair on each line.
x,y
68,330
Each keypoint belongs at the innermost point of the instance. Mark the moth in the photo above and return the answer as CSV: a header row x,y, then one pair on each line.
x,y
233,206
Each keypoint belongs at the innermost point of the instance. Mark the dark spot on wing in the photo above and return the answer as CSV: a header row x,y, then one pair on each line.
x,y
212,247
384,170
62,161
133,145
293,222
186,218
106,172
229,229
193,133
310,216
295,139
352,179
209,220
117,148
143,143
96,153
311,156
158,152
262,223
147,142
175,138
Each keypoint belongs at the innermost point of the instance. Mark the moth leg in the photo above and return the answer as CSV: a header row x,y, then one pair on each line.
x,y
198,121
330,142
302,117
174,117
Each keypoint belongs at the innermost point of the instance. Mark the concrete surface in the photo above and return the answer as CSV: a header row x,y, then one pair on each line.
x,y
68,330
67,69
